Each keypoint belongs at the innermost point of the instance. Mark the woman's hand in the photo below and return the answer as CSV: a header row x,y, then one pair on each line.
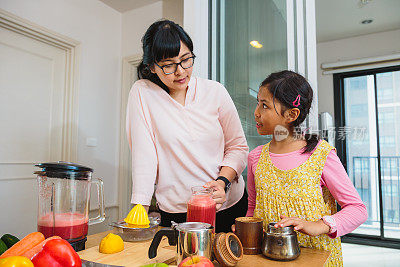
x,y
303,226
219,192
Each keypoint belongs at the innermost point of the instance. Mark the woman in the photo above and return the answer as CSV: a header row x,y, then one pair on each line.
x,y
183,131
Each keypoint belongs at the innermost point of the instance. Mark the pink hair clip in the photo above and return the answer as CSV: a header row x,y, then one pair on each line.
x,y
296,100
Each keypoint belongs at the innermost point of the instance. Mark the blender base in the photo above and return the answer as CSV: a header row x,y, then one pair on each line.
x,y
78,245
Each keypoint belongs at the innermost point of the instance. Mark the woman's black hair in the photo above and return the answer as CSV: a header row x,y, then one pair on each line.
x,y
162,40
293,91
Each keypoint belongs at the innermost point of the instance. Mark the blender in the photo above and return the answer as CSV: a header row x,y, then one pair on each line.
x,y
64,197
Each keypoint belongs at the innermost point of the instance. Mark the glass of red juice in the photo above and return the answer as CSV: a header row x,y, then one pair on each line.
x,y
201,206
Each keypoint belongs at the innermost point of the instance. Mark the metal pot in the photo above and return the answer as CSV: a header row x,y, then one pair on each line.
x,y
280,243
191,238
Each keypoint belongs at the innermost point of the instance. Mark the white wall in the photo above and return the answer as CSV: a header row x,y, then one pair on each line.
x,y
136,21
98,28
106,36
173,10
195,22
377,44
134,24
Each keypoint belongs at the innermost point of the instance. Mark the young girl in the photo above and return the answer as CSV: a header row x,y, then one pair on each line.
x,y
295,181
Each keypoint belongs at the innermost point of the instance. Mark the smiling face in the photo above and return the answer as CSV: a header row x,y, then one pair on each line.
x,y
267,118
178,80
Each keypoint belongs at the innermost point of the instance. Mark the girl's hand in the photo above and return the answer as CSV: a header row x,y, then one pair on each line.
x,y
303,226
219,192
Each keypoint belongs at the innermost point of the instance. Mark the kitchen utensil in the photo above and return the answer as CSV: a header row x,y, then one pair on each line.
x,y
132,234
250,232
227,249
63,201
280,243
191,238
137,217
86,263
201,206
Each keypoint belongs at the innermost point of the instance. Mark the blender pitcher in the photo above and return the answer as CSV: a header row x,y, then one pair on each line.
x,y
64,197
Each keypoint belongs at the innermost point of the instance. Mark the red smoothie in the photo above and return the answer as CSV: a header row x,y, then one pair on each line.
x,y
67,226
201,208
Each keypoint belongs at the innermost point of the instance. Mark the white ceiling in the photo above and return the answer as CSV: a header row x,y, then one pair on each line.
x,y
126,5
337,19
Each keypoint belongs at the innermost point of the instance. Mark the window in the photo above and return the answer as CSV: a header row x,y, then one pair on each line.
x,y
359,110
371,99
386,118
387,141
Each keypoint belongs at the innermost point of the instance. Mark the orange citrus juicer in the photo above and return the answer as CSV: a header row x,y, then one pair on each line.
x,y
137,217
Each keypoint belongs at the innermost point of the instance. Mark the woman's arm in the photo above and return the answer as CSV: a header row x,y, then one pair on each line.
x,y
236,149
227,172
252,160
141,143
353,212
146,207
219,186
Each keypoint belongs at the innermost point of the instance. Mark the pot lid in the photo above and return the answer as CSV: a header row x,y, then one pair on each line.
x,y
63,166
63,169
192,226
280,230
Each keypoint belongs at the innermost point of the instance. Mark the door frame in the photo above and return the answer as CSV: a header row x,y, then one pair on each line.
x,y
124,170
339,110
71,47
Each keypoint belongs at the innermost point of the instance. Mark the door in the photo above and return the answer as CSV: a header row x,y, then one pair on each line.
x,y
32,86
367,104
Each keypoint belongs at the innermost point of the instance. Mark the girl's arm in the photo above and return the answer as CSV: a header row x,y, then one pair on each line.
x,y
353,212
251,191
141,143
252,161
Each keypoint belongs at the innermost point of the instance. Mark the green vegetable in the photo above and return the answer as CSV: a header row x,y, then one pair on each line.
x,y
9,240
3,247
155,265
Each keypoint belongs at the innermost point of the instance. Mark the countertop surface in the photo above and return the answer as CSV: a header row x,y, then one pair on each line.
x,y
135,254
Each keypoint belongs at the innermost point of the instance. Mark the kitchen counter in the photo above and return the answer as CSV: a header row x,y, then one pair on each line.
x,y
135,254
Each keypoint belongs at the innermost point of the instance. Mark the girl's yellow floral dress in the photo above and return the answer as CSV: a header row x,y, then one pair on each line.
x,y
297,193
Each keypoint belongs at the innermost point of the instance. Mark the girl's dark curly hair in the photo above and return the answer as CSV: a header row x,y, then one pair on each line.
x,y
286,87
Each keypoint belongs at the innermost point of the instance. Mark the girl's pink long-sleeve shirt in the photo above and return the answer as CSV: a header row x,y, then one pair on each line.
x,y
334,177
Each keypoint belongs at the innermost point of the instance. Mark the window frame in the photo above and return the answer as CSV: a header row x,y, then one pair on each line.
x,y
339,111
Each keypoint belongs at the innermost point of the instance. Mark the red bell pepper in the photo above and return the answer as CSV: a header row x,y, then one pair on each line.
x,y
57,253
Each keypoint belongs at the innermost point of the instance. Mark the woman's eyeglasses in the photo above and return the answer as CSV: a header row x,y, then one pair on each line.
x,y
171,68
